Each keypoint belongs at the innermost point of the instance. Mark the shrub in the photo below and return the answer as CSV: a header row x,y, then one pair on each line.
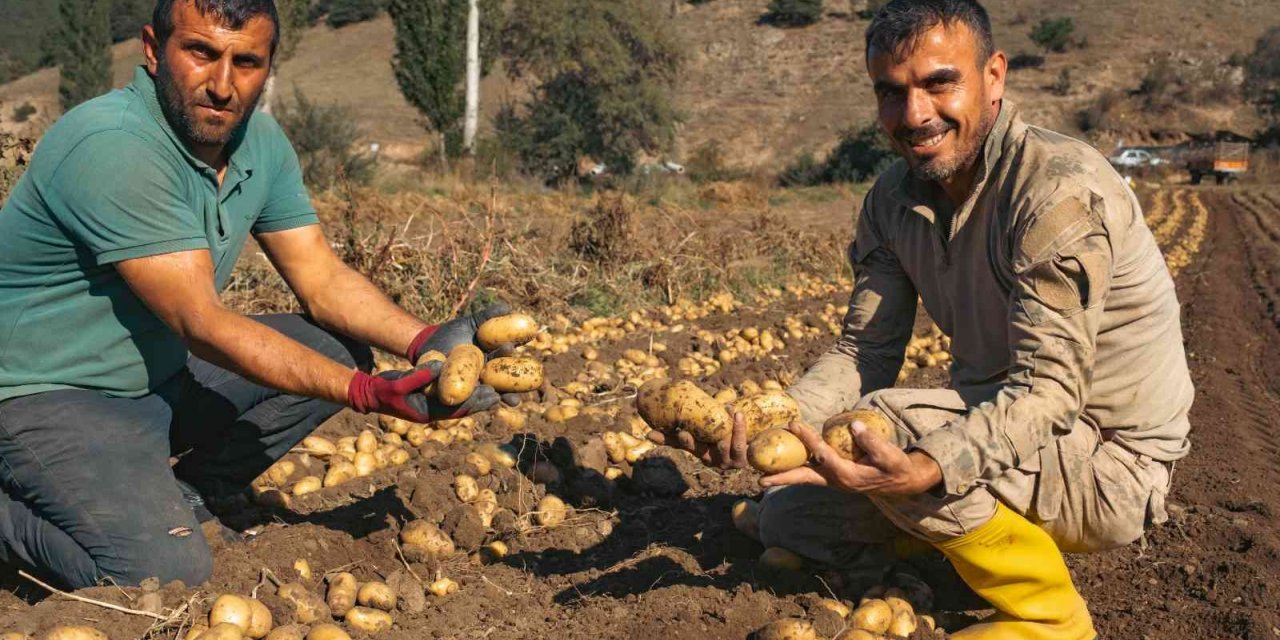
x,y
606,234
1262,71
324,137
1053,34
345,12
1062,86
14,154
82,49
23,112
708,163
793,13
1097,116
1026,61
859,156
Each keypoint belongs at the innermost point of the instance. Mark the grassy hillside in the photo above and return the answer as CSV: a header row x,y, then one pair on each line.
x,y
766,94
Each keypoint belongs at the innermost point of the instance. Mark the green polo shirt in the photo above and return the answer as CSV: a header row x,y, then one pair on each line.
x,y
111,181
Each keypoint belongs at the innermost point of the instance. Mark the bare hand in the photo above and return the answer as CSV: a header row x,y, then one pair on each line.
x,y
730,453
884,469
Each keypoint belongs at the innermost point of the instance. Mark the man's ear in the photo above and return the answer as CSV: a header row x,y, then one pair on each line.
x,y
150,49
996,71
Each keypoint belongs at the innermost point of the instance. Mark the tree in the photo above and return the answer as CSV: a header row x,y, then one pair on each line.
x,y
793,13
295,17
83,51
345,12
430,60
605,87
127,18
1262,71
1053,34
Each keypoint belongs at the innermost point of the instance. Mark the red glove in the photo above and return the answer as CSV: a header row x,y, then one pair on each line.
x,y
399,394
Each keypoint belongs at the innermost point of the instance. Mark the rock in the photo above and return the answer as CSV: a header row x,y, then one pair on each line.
x,y
464,525
660,473
411,599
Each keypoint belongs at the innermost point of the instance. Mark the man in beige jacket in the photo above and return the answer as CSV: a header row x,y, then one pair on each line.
x,y
1069,386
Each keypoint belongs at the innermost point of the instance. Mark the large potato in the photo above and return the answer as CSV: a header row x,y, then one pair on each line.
x,y
787,629
223,631
766,410
776,450
427,537
459,375
342,593
327,631
858,634
904,624
70,632
377,595
260,619
368,620
232,609
651,403
516,328
778,558
512,375
288,632
307,606
698,413
836,431
746,517
873,615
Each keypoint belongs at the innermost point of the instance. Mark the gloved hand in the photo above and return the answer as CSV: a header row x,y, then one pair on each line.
x,y
460,330
399,394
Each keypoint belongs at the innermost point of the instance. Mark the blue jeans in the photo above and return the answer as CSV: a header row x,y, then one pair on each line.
x,y
88,489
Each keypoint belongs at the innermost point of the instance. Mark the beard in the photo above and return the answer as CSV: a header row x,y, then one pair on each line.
x,y
182,112
943,168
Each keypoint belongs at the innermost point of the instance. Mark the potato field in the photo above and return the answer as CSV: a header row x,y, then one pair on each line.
x,y
556,519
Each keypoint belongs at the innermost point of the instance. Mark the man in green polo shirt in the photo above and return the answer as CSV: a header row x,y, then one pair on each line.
x,y
115,351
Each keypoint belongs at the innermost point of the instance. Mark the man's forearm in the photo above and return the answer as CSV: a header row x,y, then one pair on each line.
x,y
268,357
351,305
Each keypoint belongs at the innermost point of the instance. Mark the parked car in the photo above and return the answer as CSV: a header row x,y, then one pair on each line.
x,y
1135,159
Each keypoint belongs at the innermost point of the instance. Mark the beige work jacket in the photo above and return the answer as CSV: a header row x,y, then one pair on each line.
x,y
1059,305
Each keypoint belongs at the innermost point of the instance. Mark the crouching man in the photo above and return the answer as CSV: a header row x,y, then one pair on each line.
x,y
115,351
1069,387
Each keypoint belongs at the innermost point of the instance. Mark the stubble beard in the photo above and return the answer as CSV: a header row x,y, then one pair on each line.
x,y
180,111
944,169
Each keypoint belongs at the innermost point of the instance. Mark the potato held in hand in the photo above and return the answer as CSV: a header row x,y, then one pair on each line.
x,y
515,328
765,411
682,405
776,450
512,375
459,375
838,434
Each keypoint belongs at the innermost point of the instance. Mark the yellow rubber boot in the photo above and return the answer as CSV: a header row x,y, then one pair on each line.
x,y
1016,566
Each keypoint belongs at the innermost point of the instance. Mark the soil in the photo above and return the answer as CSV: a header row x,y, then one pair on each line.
x,y
654,554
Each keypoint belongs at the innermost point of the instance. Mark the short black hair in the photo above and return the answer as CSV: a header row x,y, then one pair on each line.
x,y
898,25
232,13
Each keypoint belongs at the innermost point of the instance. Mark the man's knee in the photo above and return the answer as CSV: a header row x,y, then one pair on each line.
x,y
185,557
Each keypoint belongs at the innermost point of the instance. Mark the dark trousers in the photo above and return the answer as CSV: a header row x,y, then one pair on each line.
x,y
88,489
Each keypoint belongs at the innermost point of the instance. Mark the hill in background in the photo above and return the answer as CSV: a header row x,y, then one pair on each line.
x,y
766,94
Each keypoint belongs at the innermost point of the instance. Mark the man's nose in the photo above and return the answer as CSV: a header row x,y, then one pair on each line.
x,y
919,109
220,85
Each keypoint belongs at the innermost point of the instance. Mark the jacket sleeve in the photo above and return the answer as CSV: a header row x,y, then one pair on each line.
x,y
1062,266
877,327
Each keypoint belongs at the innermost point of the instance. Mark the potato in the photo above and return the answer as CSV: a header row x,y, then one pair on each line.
x,y
307,606
787,629
898,604
430,355
746,517
765,411
377,595
273,498
512,374
365,463
327,631
399,457
230,608
70,632
903,624
465,487
500,455
280,472
288,632
551,511
515,328
223,631
776,450
839,608
613,473
560,413
873,615
259,619
342,593
783,559
13,635
928,622
339,472
459,375
495,550
318,446
305,485
651,403
858,634
442,587
196,629
303,568
366,442
634,454
367,619
836,431
478,463
613,447
428,537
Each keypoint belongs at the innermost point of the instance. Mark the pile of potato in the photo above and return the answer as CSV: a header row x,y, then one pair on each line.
x,y
1180,255
882,613
923,352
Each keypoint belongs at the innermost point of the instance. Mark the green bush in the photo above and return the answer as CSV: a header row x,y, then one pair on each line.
x,y
1053,34
324,137
23,112
82,50
793,13
859,156
345,12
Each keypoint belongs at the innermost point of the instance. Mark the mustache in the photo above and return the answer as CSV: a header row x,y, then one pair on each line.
x,y
914,136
